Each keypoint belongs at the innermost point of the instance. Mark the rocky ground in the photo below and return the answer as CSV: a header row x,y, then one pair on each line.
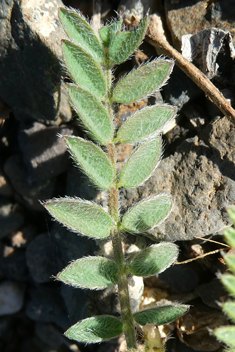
x,y
197,169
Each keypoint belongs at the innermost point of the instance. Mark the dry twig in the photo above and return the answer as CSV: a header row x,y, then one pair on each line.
x,y
157,38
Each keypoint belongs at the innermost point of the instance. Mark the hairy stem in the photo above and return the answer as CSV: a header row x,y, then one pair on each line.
x,y
123,292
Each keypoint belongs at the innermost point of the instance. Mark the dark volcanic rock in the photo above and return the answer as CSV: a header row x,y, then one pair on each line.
x,y
44,153
11,217
198,15
11,297
30,71
39,256
46,305
14,265
200,179
29,192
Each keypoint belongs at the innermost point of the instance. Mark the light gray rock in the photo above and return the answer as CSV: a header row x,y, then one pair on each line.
x,y
136,289
137,8
11,297
30,35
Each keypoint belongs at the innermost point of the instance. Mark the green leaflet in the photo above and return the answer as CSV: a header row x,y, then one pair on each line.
x,y
124,43
79,31
230,261
95,329
228,281
231,213
229,309
147,214
80,216
226,334
93,161
83,69
108,32
93,114
141,163
145,123
160,315
94,273
154,259
142,82
229,235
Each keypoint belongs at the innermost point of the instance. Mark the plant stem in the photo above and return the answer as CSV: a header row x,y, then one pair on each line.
x,y
123,292
127,318
158,40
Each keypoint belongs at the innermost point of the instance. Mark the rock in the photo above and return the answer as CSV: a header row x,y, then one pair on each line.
x,y
11,297
212,293
14,264
77,302
201,319
31,82
44,153
46,305
220,137
50,335
5,188
137,8
11,217
79,185
39,257
196,16
28,192
180,278
201,184
23,237
70,246
179,94
136,289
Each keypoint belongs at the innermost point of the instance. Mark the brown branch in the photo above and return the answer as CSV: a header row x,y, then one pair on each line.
x,y
156,37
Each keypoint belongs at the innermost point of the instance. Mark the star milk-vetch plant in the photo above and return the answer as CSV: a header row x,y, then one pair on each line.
x,y
90,59
226,334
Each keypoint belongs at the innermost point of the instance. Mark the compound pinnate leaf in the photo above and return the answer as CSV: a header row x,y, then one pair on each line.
x,y
226,334
154,259
145,123
141,163
95,329
124,43
160,315
79,31
228,281
142,82
94,273
229,309
93,114
93,161
83,69
108,32
147,214
80,216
